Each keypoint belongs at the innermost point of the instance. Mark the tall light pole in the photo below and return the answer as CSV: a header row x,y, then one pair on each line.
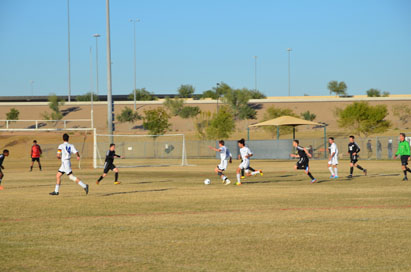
x,y
134,21
109,98
289,80
91,87
255,73
68,48
96,36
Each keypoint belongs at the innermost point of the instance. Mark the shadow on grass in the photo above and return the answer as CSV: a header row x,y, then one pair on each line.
x,y
137,191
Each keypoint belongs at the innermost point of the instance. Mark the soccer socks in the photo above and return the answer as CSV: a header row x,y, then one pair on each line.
x,y
238,178
100,178
116,176
242,172
1,180
359,167
40,166
408,169
255,173
336,172
331,170
311,176
351,170
57,188
31,168
82,184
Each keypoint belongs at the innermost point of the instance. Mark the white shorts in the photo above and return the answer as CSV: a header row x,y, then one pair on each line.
x,y
65,167
244,165
334,161
223,165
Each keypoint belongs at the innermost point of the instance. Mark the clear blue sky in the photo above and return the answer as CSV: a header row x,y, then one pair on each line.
x,y
366,43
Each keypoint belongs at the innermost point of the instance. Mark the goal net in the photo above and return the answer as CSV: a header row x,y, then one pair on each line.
x,y
142,150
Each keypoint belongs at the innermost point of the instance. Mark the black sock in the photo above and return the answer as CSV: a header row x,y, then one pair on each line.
x,y
311,176
242,172
408,169
100,178
251,169
31,168
351,170
359,167
116,176
405,173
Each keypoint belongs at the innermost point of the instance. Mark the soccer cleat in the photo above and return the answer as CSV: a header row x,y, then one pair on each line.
x,y
227,181
349,176
335,177
405,179
86,189
243,177
1,188
314,181
331,177
365,172
238,183
261,172
54,193
97,182
117,182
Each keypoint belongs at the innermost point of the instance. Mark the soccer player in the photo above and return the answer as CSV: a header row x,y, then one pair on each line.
x,y
109,164
353,150
404,153
225,157
245,155
333,159
303,162
2,157
35,155
64,154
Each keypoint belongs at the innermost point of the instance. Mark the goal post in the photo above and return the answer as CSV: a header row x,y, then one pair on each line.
x,y
142,150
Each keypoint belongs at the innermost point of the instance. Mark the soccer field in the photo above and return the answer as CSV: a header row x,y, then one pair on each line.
x,y
166,219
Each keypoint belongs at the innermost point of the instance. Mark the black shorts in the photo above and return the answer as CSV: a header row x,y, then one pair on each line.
x,y
108,167
302,163
404,159
35,159
353,158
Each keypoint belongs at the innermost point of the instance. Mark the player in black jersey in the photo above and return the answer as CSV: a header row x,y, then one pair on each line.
x,y
109,164
2,156
353,150
303,162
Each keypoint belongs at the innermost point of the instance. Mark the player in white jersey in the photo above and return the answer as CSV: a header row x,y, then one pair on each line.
x,y
333,159
64,154
225,157
245,155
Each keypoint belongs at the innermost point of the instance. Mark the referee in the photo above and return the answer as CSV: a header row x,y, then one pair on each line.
x,y
109,164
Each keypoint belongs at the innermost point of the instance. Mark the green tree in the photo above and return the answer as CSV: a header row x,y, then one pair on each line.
x,y
210,94
307,115
201,124
255,94
272,113
373,93
402,112
189,112
237,100
87,97
13,114
54,105
127,115
142,95
156,121
186,91
385,94
222,124
339,88
362,118
174,105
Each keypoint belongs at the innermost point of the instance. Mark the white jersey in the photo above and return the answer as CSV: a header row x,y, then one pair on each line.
x,y
65,150
244,151
224,153
334,159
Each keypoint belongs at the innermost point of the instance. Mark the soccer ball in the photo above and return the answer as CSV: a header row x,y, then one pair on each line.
x,y
207,182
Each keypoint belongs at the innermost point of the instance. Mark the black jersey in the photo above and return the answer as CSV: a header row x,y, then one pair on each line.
x,y
301,152
110,155
353,148
1,159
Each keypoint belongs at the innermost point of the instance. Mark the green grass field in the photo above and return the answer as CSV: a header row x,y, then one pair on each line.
x,y
165,219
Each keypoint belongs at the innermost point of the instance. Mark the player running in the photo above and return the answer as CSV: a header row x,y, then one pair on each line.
x,y
2,157
333,159
64,154
109,164
245,155
404,153
353,150
303,162
225,157
35,154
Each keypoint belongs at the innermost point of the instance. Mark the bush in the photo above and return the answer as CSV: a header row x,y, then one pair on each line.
x,y
255,94
189,112
373,93
54,105
307,115
272,113
13,114
186,91
142,95
156,121
175,105
128,115
87,97
222,125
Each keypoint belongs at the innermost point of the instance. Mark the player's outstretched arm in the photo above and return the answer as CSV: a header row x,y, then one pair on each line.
x,y
78,156
308,153
213,148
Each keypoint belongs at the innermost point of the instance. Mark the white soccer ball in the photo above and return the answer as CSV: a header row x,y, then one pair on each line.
x,y
207,182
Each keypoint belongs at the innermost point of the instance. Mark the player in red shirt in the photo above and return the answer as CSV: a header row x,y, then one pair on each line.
x,y
35,154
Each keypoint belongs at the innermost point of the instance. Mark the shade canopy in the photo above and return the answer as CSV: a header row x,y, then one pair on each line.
x,y
286,121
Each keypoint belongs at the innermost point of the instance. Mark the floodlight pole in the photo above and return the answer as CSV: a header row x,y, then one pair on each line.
x,y
135,69
109,92
96,36
289,77
91,87
68,48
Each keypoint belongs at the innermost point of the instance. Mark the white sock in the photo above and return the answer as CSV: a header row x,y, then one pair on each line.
x,y
82,184
223,177
331,170
336,171
255,173
239,178
57,188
